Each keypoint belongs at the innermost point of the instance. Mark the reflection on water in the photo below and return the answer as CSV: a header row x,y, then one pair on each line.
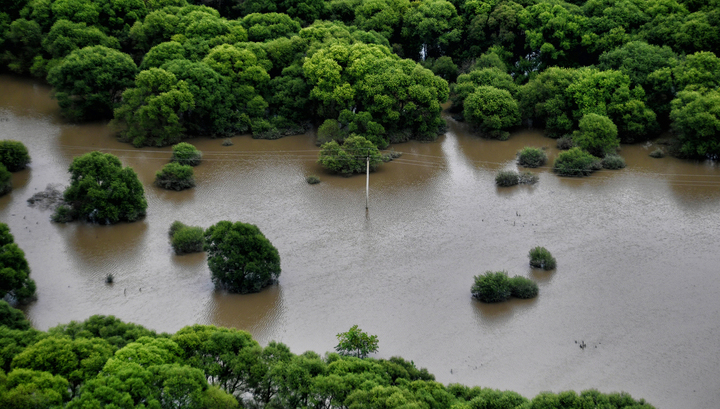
x,y
256,313
636,249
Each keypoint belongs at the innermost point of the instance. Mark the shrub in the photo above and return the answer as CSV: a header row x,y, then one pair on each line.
x,y
175,176
186,154
613,161
565,143
188,239
528,178
175,226
312,179
63,214
14,155
531,157
227,142
522,287
506,178
492,287
110,278
15,278
576,162
5,180
350,157
657,153
493,110
540,257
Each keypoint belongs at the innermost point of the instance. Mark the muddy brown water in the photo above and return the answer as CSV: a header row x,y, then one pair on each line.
x,y
638,272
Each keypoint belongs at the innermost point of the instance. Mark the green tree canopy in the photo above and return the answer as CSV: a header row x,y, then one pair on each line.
x,y
356,343
493,110
695,119
14,155
116,332
597,135
25,388
9,316
240,257
14,269
102,191
150,113
350,157
90,81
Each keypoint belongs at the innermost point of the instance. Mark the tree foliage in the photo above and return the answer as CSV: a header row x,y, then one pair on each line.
x,y
90,81
13,155
15,278
356,343
174,176
102,191
240,257
493,110
597,134
350,157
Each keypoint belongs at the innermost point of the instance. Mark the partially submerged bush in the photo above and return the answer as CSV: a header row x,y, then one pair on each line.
x,y
186,154
506,178
540,257
531,157
613,161
312,180
14,155
350,157
576,162
524,288
5,180
657,153
528,178
175,176
492,287
497,286
186,239
565,143
227,142
64,214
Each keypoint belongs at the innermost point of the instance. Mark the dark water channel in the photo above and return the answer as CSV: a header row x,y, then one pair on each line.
x,y
638,272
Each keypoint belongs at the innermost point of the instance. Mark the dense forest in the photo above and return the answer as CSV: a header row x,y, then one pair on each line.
x,y
380,69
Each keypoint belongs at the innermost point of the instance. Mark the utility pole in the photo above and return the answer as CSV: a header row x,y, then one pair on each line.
x,y
367,184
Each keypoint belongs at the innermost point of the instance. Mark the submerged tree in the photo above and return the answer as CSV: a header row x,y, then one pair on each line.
x,y
102,191
240,257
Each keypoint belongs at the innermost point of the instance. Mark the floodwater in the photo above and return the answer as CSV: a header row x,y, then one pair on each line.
x,y
637,249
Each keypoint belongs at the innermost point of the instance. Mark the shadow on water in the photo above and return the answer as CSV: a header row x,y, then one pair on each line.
x,y
541,276
493,314
100,247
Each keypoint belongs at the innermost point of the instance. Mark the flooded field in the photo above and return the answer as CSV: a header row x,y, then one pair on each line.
x,y
638,272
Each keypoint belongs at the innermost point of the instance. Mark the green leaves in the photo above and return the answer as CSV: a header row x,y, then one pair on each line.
x,y
350,157
14,269
695,118
356,343
240,258
101,191
493,110
89,81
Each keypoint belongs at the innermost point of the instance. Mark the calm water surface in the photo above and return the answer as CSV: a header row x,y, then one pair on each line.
x,y
638,272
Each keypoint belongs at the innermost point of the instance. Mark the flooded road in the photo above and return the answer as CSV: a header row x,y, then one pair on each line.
x,y
638,272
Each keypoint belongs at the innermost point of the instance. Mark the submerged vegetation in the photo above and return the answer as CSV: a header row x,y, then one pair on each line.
x,y
186,239
174,176
540,257
506,178
496,286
